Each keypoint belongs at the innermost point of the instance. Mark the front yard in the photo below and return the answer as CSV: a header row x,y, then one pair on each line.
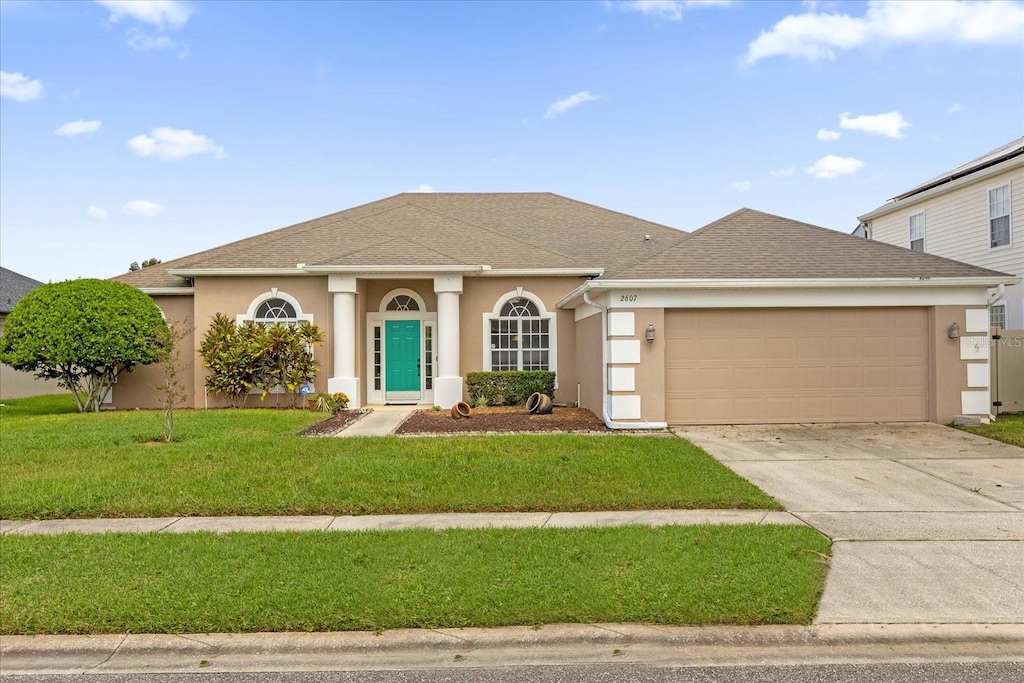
x,y
250,462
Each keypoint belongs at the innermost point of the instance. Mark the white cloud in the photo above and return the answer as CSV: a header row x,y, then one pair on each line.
x,y
144,42
97,212
832,166
73,128
781,172
159,13
20,87
890,125
141,207
569,102
742,185
171,144
422,188
826,135
956,107
814,36
670,10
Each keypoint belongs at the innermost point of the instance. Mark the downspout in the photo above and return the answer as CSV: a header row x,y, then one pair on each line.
x,y
611,424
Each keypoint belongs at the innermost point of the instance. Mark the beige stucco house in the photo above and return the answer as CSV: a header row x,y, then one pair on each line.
x,y
752,319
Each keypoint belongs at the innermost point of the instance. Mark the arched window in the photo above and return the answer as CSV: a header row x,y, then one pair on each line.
x,y
521,335
275,310
403,302
274,307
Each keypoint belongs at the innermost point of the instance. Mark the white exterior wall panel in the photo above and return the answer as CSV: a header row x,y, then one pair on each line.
x,y
957,227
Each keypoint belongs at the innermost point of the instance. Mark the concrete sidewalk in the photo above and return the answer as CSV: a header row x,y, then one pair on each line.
x,y
445,520
450,648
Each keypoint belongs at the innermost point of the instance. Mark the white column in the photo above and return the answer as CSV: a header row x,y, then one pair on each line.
x,y
343,338
448,383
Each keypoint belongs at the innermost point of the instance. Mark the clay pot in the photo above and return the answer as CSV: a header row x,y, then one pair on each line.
x,y
538,404
461,409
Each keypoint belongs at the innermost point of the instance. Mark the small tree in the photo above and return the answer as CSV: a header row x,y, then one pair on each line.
x,y
83,333
145,264
172,389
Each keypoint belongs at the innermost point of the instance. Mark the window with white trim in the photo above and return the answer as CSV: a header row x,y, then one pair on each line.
x,y
999,216
520,337
917,232
275,310
272,307
997,316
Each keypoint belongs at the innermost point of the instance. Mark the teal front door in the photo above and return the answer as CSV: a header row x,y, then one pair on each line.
x,y
402,359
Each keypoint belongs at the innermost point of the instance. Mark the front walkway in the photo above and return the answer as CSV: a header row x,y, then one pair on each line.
x,y
441,520
382,421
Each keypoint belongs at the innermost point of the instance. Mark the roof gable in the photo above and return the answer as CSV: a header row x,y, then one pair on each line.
x,y
500,230
753,244
13,287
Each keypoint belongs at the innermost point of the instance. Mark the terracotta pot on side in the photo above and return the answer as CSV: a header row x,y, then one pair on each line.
x,y
538,404
461,409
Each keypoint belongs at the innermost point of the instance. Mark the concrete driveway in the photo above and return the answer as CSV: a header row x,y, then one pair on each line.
x,y
928,521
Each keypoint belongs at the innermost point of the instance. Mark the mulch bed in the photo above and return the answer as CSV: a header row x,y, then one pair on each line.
x,y
502,419
334,424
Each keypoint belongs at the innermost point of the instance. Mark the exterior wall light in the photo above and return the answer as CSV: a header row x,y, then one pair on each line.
x,y
953,331
649,334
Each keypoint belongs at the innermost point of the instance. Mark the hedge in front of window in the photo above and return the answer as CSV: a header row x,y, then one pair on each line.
x,y
509,387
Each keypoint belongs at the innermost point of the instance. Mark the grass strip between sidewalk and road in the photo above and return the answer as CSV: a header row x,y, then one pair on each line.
x,y
250,462
326,581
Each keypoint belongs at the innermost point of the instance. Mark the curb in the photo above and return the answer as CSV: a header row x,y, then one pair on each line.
x,y
408,649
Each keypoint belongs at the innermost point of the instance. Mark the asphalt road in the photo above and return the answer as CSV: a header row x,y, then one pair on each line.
x,y
957,672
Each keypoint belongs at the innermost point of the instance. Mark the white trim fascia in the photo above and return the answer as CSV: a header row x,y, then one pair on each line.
x,y
573,297
394,269
200,272
168,291
543,272
896,205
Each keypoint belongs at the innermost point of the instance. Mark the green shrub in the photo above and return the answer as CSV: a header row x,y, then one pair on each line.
x,y
330,403
508,387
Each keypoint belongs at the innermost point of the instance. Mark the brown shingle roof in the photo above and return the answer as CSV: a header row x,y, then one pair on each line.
x,y
501,230
752,244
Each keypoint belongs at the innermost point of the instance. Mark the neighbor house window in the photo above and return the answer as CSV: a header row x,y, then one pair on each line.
x,y
917,232
999,216
997,316
520,337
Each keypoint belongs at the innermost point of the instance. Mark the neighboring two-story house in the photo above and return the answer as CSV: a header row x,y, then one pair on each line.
x,y
974,214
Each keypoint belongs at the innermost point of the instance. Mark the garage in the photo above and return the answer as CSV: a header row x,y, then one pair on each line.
x,y
750,366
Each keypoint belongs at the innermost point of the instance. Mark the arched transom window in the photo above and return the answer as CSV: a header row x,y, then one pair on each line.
x,y
275,310
520,337
403,302
272,307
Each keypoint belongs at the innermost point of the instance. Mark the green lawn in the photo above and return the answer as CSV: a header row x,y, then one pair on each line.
x,y
1008,428
251,462
318,581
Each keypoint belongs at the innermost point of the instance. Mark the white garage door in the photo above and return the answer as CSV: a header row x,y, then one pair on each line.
x,y
751,366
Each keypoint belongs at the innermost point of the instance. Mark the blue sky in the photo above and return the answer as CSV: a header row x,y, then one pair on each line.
x,y
141,129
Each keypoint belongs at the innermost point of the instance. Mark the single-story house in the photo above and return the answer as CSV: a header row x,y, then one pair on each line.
x,y
753,318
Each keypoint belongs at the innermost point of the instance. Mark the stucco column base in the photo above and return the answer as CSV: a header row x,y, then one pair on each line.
x,y
348,386
447,391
